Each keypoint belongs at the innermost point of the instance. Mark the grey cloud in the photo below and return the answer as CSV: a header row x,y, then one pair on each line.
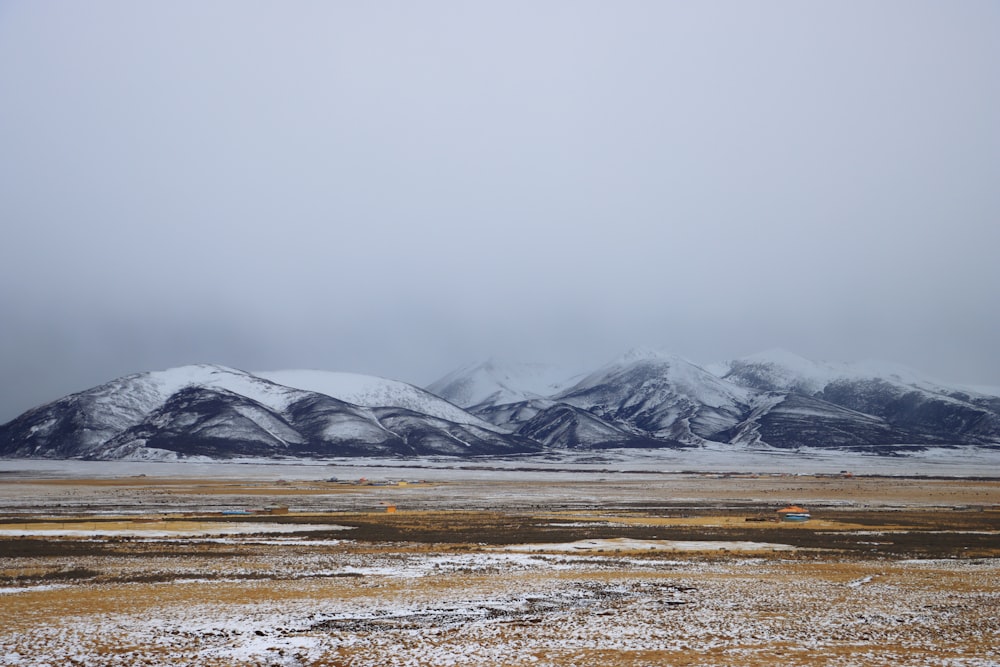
x,y
398,188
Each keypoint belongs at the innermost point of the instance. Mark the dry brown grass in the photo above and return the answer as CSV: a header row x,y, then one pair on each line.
x,y
916,583
761,488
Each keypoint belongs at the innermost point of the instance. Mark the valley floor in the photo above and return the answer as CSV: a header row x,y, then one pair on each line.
x,y
518,570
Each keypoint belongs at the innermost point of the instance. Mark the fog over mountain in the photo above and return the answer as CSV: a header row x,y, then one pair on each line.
x,y
402,189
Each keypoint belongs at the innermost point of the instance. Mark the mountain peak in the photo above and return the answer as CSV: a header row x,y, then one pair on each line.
x,y
494,382
778,355
646,353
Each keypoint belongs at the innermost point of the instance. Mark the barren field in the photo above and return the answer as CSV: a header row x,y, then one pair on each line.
x,y
519,570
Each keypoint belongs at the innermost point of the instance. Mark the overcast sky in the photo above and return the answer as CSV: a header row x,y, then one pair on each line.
x,y
398,188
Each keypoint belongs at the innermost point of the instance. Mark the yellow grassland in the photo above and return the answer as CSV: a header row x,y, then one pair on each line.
x,y
361,597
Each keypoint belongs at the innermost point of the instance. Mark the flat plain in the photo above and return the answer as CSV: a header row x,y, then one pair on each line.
x,y
515,568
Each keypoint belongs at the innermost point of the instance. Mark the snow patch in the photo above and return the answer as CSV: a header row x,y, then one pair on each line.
x,y
626,544
159,530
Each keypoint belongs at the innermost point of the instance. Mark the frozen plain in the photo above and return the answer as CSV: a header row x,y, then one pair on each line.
x,y
957,462
562,564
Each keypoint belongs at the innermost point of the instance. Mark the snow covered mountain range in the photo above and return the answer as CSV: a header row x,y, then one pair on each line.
x,y
645,399
773,399
219,412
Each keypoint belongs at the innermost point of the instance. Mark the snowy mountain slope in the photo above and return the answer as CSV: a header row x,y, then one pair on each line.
x,y
914,406
220,412
773,398
373,392
335,428
934,413
267,393
423,434
663,395
644,399
792,421
512,416
563,426
206,421
780,370
86,420
81,422
493,383
559,425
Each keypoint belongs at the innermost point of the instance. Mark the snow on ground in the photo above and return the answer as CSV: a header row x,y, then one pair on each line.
x,y
10,590
519,609
597,602
624,544
187,529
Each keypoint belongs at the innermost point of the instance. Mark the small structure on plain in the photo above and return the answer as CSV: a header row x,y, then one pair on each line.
x,y
793,513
